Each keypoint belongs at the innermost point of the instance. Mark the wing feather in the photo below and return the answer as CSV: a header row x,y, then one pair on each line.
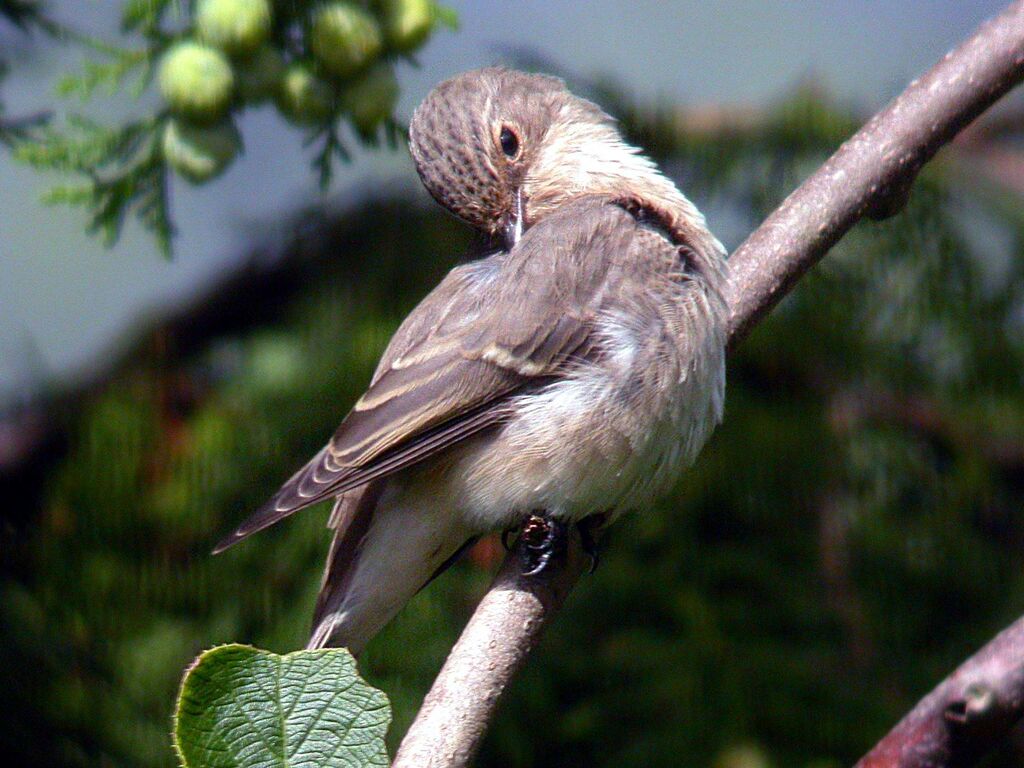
x,y
490,330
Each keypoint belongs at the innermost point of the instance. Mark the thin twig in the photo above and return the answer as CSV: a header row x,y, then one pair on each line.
x,y
870,174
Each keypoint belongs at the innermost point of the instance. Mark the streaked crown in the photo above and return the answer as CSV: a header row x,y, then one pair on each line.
x,y
476,136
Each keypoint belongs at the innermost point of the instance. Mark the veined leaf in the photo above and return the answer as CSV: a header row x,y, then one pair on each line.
x,y
242,707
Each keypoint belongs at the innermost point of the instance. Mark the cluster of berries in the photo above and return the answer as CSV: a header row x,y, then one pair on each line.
x,y
333,63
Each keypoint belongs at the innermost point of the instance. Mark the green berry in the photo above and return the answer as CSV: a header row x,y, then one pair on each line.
x,y
407,23
237,27
259,76
370,100
200,152
344,38
196,81
303,97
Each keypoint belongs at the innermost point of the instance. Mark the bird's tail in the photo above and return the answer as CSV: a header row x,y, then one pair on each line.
x,y
384,551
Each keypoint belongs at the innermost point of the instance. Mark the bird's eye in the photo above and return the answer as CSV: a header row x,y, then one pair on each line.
x,y
509,141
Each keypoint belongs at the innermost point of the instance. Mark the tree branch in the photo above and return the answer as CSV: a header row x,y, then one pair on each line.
x,y
495,643
871,174
966,714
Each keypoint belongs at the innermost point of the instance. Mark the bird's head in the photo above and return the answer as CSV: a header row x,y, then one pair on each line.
x,y
501,149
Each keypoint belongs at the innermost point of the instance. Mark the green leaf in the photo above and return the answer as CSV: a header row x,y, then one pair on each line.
x,y
241,707
447,16
108,76
124,169
144,14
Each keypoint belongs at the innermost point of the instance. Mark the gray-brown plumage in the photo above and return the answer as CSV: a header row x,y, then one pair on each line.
x,y
577,371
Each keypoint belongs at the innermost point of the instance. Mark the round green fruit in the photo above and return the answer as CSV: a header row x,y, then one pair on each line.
x,y
344,38
196,81
303,97
200,152
259,76
407,23
370,100
237,27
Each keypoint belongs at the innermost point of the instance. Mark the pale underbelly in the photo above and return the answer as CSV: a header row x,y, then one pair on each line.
x,y
579,447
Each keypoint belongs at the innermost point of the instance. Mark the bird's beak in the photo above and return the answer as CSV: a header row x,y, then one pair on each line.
x,y
512,229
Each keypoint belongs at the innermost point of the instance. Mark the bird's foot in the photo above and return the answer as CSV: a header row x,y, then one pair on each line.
x,y
544,539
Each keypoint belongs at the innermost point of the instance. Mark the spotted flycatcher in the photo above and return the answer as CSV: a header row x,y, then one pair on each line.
x,y
571,374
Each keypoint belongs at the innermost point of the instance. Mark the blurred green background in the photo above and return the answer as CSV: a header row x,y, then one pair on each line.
x,y
853,531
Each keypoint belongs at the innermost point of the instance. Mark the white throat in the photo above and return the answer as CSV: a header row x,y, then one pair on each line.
x,y
518,231
591,158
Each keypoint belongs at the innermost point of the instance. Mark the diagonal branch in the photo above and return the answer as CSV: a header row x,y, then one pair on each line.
x,y
870,175
495,643
965,715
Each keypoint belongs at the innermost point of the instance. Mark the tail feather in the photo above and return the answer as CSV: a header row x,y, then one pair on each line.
x,y
350,519
386,548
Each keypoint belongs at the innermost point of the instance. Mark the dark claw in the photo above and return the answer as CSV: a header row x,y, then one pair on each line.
x,y
506,535
592,552
543,539
588,527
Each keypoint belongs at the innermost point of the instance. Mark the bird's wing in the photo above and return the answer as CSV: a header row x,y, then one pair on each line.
x,y
491,329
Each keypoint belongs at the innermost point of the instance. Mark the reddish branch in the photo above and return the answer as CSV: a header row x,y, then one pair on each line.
x,y
965,716
870,175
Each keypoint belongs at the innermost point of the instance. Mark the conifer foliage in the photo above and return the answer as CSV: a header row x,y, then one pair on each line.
x,y
323,64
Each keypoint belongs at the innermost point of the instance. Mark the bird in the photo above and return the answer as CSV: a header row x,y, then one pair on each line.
x,y
566,375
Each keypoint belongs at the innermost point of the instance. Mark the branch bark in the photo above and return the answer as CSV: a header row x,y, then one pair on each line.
x,y
872,172
870,175
967,713
503,630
